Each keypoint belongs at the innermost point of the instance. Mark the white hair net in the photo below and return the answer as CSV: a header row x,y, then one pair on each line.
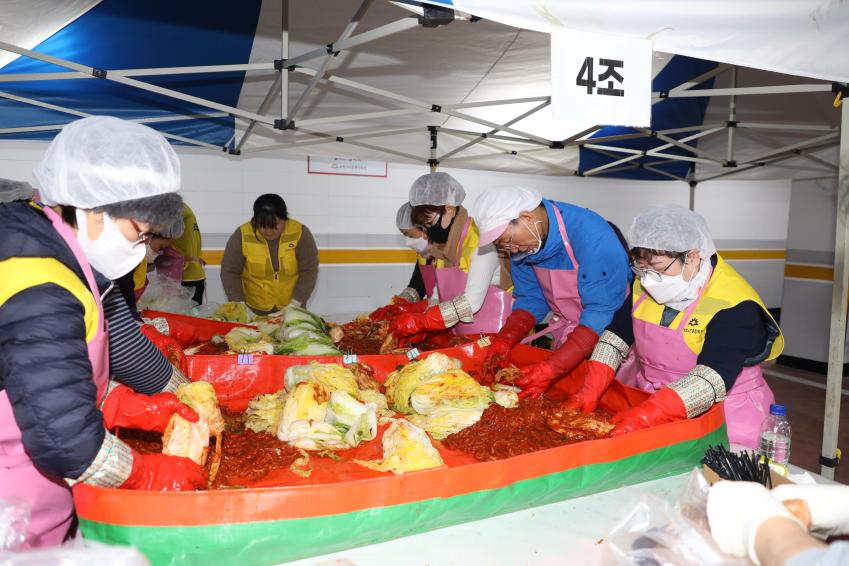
x,y
671,228
495,208
437,189
104,160
404,218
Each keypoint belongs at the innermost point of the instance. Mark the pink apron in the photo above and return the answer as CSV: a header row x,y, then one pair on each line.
x,y
50,498
497,304
664,357
428,272
560,289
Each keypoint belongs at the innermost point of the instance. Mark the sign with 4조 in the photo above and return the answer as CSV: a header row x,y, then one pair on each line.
x,y
344,166
600,79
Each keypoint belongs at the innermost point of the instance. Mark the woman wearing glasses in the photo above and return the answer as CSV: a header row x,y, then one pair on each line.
x,y
698,330
106,185
565,260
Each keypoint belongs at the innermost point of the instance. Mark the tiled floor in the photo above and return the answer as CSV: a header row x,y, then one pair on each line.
x,y
805,408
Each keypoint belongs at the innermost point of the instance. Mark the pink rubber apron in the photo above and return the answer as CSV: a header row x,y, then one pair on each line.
x,y
50,498
428,272
664,357
497,304
170,263
560,289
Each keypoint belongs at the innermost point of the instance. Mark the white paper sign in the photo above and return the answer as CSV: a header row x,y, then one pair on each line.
x,y
344,166
600,79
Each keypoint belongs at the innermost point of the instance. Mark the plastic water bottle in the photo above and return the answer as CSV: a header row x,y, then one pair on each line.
x,y
775,436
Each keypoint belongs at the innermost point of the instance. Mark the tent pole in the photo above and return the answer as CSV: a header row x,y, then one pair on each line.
x,y
789,127
284,54
777,89
732,115
770,161
693,184
839,295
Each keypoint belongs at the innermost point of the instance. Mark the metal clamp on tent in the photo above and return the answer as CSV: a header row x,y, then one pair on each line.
x,y
98,73
284,124
841,91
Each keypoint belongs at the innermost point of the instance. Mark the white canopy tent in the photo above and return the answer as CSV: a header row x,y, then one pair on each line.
x,y
370,80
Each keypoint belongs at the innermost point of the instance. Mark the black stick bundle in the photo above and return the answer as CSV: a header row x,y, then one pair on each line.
x,y
746,466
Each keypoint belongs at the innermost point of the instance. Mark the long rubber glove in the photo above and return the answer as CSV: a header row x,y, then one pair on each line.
x,y
169,347
827,504
598,377
537,378
410,328
518,325
392,311
160,472
125,408
663,407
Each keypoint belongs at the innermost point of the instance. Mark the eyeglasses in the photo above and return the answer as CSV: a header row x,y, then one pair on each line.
x,y
656,275
143,237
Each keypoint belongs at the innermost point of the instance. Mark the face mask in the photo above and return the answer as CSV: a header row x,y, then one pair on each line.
x,y
535,233
437,233
111,253
670,288
419,245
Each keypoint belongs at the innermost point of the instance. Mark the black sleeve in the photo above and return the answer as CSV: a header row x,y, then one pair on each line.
x,y
622,324
133,359
735,338
45,371
127,285
417,282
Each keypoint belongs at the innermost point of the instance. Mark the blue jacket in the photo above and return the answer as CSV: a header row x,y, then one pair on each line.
x,y
604,274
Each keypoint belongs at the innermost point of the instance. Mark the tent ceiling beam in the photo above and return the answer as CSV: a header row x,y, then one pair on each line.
x,y
377,33
134,83
330,53
789,127
692,149
792,147
151,120
744,91
765,162
663,173
501,102
386,150
263,108
487,135
696,81
78,113
330,138
531,158
150,72
510,122
713,126
362,116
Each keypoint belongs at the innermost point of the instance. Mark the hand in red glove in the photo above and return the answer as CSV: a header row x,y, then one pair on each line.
x,y
536,378
410,328
663,407
597,378
518,325
169,347
160,472
125,408
392,311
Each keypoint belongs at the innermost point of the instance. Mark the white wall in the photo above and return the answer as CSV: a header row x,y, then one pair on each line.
x,y
359,212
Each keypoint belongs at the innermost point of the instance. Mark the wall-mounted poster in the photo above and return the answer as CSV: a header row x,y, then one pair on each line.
x,y
344,166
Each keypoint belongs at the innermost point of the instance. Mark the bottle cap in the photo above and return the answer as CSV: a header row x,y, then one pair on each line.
x,y
778,410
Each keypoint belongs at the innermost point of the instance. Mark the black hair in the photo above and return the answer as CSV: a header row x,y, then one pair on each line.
x,y
69,215
268,208
423,212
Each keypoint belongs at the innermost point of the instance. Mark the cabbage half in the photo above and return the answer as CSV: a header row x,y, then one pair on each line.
x,y
293,316
406,448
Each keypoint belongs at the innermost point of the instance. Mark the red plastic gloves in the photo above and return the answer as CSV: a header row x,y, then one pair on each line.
x,y
160,472
410,328
597,377
518,325
663,407
402,307
125,408
169,347
536,378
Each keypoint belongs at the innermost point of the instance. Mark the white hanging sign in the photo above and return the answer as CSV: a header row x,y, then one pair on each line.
x,y
600,79
343,166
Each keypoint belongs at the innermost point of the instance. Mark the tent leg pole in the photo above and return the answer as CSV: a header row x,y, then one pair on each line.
x,y
693,185
840,292
284,54
732,115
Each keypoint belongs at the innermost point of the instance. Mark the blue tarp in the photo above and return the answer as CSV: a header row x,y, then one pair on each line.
x,y
128,34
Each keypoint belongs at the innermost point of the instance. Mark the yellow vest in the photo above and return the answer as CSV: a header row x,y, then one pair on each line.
x,y
18,274
189,245
140,275
725,289
467,250
265,289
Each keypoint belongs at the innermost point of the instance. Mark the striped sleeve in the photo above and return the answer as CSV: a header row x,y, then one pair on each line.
x,y
133,359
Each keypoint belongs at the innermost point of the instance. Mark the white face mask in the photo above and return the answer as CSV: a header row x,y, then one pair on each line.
x,y
149,254
535,233
670,288
111,253
419,245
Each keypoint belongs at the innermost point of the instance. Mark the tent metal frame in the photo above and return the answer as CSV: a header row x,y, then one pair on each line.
x,y
494,137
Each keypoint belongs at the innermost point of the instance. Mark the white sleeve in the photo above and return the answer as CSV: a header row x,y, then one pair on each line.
x,y
481,272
